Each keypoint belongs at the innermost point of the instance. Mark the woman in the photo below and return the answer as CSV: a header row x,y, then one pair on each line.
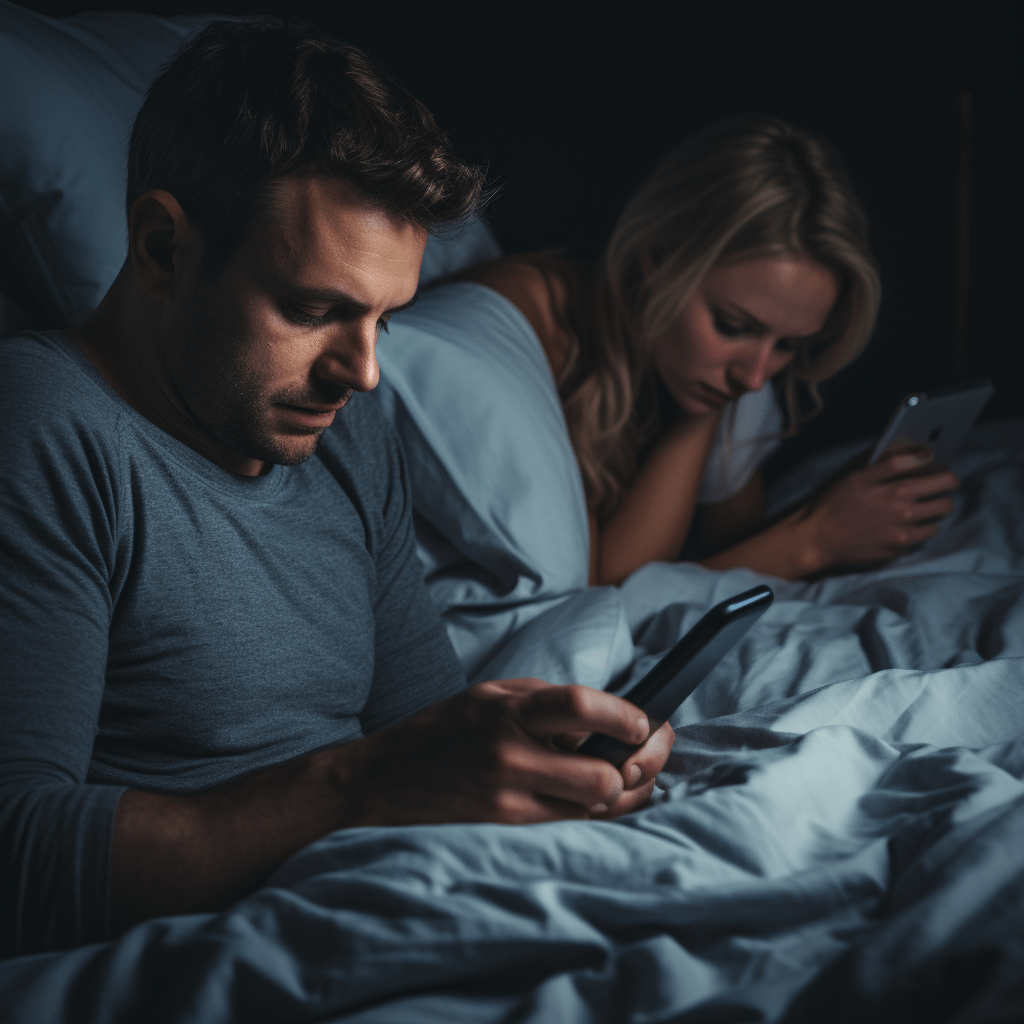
x,y
738,278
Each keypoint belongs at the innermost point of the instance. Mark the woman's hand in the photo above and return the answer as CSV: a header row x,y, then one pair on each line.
x,y
871,515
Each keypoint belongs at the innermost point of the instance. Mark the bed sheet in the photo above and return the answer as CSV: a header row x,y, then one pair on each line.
x,y
838,834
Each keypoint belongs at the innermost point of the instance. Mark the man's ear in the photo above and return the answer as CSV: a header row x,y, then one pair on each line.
x,y
162,243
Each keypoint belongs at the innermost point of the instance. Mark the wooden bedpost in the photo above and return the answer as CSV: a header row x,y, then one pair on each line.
x,y
962,285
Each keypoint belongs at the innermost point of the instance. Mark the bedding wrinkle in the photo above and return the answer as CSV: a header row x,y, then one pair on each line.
x,y
877,651
493,472
999,619
724,915
970,906
837,835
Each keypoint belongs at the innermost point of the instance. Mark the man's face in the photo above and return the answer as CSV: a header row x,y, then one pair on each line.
x,y
264,356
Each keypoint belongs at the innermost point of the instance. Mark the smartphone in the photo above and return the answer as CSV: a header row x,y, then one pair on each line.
x,y
938,421
684,668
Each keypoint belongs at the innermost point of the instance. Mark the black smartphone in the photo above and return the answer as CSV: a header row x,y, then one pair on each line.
x,y
684,668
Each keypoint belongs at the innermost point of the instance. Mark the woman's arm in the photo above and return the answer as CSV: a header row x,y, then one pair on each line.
x,y
788,549
724,523
735,530
656,513
867,517
654,518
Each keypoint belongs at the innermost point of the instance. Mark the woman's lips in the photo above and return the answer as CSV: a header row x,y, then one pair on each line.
x,y
713,395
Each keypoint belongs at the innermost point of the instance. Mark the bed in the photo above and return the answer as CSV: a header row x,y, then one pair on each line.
x,y
839,831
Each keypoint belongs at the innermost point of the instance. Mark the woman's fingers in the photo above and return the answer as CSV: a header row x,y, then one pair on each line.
x,y
911,536
897,465
927,511
895,468
916,488
877,513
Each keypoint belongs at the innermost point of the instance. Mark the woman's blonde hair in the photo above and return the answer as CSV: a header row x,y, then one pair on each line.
x,y
746,188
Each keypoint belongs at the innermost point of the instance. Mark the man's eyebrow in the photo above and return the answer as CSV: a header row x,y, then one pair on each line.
x,y
405,305
344,299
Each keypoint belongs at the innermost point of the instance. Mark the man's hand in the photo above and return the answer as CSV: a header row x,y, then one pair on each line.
x,y
497,752
874,514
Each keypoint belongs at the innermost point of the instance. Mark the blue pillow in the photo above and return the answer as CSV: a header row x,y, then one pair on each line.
x,y
70,88
454,250
501,515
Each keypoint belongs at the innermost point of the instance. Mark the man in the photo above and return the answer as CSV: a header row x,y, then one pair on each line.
x,y
217,644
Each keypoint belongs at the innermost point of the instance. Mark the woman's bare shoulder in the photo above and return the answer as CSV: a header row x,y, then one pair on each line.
x,y
541,297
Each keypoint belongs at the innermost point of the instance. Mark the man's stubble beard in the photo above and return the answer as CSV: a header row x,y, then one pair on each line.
x,y
203,362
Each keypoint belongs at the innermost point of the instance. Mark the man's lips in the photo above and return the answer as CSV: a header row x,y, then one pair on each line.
x,y
315,417
318,410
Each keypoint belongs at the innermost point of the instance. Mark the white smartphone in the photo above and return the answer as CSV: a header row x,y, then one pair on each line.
x,y
938,421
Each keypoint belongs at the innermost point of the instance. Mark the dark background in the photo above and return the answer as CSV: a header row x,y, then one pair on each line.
x,y
570,107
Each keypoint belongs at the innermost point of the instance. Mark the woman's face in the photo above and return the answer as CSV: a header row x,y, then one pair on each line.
x,y
740,327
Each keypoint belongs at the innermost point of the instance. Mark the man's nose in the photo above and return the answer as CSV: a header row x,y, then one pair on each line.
x,y
350,358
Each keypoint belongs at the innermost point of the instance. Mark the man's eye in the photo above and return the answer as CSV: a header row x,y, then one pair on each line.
x,y
303,317
786,345
382,323
727,329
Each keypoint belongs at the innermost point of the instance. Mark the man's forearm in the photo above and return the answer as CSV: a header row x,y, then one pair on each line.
x,y
191,853
486,753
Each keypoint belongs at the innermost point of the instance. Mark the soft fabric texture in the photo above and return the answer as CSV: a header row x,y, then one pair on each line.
x,y
71,88
840,825
501,514
839,836
169,625
451,250
501,517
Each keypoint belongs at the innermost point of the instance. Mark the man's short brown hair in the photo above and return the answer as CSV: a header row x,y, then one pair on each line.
x,y
246,103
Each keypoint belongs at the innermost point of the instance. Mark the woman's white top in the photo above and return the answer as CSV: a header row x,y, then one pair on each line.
x,y
749,431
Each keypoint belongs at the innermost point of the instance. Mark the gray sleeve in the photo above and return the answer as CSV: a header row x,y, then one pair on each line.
x,y
415,663
57,553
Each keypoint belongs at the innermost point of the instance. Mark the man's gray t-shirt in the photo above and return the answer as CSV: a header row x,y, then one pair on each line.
x,y
168,625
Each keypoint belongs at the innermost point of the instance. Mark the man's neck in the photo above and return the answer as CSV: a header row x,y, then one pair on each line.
x,y
117,338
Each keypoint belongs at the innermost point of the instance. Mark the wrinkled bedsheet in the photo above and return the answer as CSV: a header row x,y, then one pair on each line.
x,y
838,834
